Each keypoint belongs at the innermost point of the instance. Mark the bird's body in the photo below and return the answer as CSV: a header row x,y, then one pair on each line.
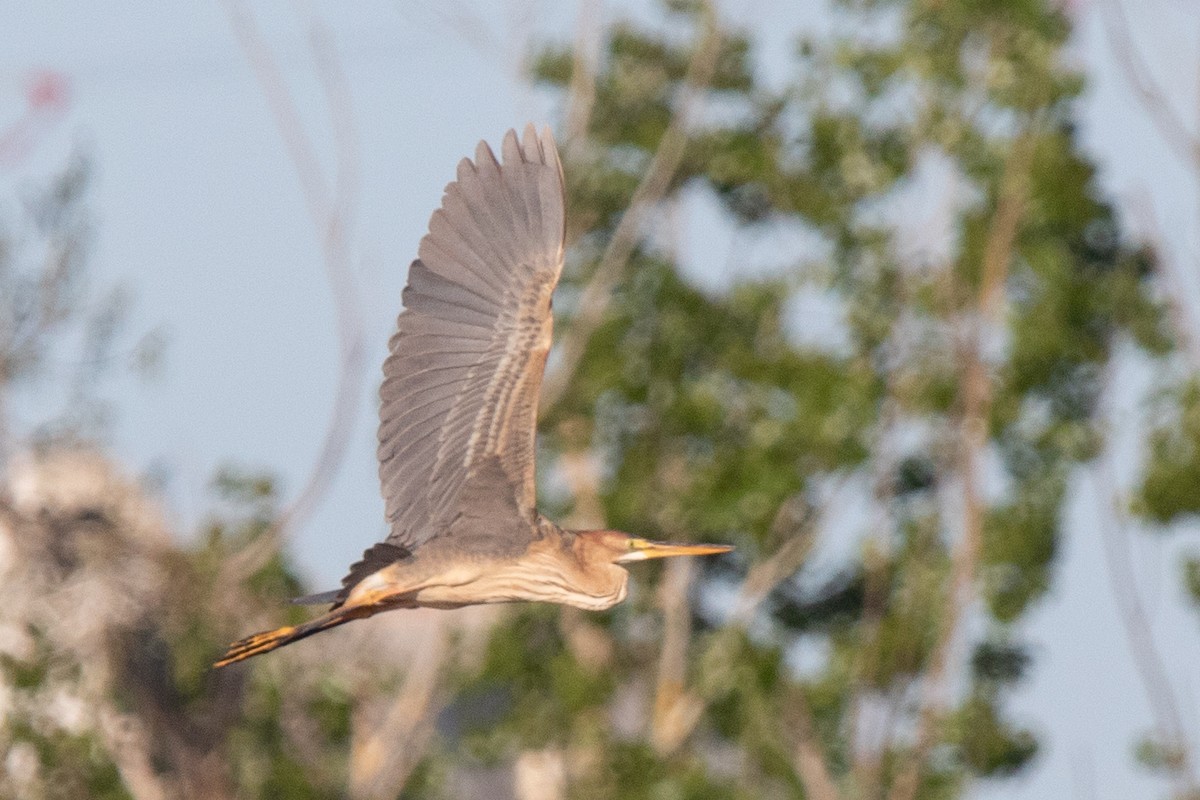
x,y
553,569
459,411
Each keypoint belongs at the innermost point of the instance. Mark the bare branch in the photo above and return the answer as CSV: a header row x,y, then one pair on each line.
x,y
676,710
1173,275
331,211
594,301
766,575
47,99
1149,93
126,741
283,108
341,279
1186,145
581,94
1139,633
378,769
810,760
540,775
972,439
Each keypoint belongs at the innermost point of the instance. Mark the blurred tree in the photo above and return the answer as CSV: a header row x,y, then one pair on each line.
x,y
60,338
108,632
975,285
1164,491
107,622
954,396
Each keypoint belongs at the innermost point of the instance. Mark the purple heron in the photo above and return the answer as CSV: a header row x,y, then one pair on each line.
x,y
458,417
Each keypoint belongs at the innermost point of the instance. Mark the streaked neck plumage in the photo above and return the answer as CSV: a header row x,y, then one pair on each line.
x,y
575,569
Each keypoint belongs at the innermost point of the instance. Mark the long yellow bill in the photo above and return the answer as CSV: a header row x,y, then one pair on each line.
x,y
642,549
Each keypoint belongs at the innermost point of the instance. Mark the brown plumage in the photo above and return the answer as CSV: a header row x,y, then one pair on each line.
x,y
458,417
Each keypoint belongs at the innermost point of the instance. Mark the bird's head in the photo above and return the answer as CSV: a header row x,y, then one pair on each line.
x,y
616,547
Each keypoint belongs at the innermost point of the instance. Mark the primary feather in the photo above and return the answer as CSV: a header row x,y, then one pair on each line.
x,y
461,382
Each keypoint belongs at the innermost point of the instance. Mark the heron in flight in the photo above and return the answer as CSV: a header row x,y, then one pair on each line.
x,y
458,417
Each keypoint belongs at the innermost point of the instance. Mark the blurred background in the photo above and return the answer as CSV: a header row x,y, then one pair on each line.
x,y
898,296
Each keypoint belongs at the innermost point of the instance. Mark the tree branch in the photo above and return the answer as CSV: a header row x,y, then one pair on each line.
x,y
676,710
972,439
331,211
378,769
765,576
810,760
596,296
1149,93
126,741
1166,266
1139,633
581,93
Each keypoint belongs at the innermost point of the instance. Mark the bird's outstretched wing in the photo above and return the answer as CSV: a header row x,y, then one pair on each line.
x,y
461,383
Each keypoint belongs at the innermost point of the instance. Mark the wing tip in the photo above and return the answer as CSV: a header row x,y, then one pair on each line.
x,y
511,147
484,157
550,153
531,146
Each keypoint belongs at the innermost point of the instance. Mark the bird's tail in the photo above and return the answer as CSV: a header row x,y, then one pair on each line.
x,y
270,640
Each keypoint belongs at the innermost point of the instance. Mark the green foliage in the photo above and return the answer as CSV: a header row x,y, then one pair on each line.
x,y
1158,756
1020,541
633,770
987,745
706,410
60,337
147,662
71,762
259,744
999,663
710,421
529,669
1172,470
1191,579
71,765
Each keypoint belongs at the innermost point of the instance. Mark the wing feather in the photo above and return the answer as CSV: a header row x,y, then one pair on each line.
x,y
459,397
425,284
452,257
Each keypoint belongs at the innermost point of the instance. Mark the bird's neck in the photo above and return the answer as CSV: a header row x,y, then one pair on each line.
x,y
563,553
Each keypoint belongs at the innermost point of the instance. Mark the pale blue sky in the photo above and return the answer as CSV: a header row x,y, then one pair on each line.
x,y
198,210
